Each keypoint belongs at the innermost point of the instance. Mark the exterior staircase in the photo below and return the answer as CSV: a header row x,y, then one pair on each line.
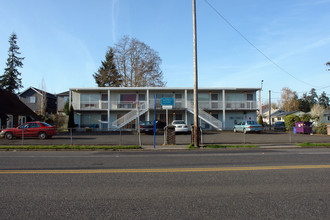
x,y
217,124
130,116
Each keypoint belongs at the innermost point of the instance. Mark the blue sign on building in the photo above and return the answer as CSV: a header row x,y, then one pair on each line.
x,y
167,101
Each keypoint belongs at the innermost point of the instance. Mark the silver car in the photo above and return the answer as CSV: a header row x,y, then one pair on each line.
x,y
180,126
248,126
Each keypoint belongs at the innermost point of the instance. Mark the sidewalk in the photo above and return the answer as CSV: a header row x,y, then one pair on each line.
x,y
185,147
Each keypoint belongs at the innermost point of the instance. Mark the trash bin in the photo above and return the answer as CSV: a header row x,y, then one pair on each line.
x,y
294,130
328,129
303,127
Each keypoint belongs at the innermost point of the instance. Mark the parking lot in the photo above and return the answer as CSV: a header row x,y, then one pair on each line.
x,y
131,138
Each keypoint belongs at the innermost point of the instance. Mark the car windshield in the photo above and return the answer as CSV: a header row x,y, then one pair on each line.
x,y
178,122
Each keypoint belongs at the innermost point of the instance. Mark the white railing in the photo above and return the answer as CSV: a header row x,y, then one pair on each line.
x,y
178,104
130,116
93,105
241,105
126,105
205,116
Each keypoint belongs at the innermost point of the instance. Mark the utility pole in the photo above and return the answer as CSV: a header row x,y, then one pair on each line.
x,y
196,136
260,103
269,111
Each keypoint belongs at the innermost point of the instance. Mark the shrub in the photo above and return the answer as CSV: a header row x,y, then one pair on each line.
x,y
290,121
322,129
260,121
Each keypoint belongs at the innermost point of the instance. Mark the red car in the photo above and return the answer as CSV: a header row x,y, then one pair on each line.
x,y
31,129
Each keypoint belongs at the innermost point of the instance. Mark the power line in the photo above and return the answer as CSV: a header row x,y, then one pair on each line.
x,y
262,53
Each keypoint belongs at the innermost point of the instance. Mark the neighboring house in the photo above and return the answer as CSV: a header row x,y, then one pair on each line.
x,y
279,115
118,107
34,97
62,98
326,117
13,112
265,113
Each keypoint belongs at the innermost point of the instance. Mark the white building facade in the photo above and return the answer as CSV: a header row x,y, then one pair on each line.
x,y
118,107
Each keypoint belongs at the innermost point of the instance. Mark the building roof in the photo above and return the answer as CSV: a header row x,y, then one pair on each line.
x,y
10,104
164,88
66,93
49,95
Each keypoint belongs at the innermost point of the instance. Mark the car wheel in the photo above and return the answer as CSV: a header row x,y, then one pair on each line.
x,y
9,135
235,130
244,131
42,135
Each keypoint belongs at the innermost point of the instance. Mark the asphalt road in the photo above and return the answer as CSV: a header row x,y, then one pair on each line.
x,y
226,137
205,184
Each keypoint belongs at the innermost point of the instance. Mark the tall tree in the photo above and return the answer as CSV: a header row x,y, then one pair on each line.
x,y
304,104
289,100
138,64
324,100
107,75
11,80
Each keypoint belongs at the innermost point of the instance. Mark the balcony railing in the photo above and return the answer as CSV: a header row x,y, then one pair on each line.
x,y
179,104
129,105
93,105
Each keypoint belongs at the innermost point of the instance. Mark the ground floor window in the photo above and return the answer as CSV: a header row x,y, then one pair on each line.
x,y
89,120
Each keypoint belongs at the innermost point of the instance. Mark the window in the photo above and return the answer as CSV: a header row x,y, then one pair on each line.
x,y
328,118
142,97
178,117
104,97
32,99
34,125
249,97
178,96
214,97
127,97
65,98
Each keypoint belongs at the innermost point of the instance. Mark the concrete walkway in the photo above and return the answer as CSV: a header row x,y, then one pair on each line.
x,y
185,147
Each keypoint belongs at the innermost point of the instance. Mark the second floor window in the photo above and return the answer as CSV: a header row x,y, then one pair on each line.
x,y
32,99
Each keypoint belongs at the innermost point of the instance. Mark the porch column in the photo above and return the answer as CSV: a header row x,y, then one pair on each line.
x,y
223,109
147,106
109,106
185,98
70,98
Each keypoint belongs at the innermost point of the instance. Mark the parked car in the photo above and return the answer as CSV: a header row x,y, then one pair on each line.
x,y
180,126
279,126
146,127
248,126
30,129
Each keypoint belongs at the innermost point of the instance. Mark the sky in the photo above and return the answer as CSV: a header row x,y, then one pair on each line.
x,y
285,43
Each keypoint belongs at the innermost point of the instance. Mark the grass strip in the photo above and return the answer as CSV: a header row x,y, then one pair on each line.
x,y
307,144
68,147
230,146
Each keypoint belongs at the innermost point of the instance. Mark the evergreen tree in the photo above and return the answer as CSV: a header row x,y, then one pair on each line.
x,y
71,118
11,80
107,75
324,100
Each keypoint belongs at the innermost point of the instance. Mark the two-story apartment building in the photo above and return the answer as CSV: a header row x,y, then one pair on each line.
x,y
116,107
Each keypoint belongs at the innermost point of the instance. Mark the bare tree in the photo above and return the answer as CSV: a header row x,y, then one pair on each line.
x,y
138,64
44,98
317,112
289,100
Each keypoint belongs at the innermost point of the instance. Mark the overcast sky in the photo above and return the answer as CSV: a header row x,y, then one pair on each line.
x,y
286,43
